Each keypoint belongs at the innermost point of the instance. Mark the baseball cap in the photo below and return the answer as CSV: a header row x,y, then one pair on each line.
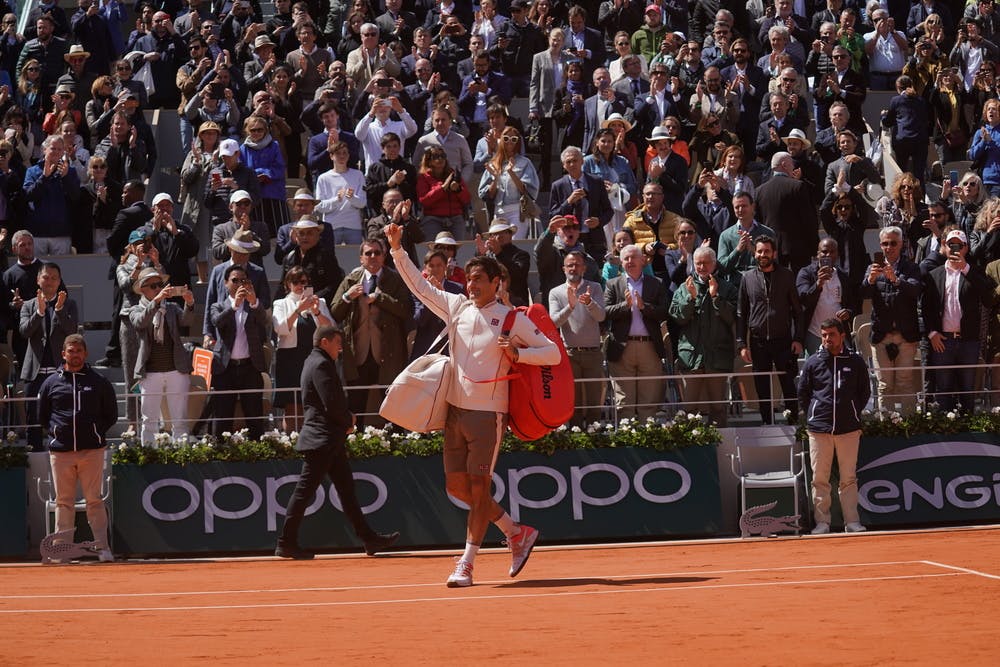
x,y
228,147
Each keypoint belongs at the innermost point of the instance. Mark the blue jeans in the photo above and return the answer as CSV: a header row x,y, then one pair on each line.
x,y
949,380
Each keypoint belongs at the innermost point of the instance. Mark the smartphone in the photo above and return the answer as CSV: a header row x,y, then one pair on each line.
x,y
383,83
825,262
953,177
880,258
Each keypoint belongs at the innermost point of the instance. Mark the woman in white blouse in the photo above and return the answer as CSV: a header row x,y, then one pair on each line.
x,y
341,195
508,176
295,318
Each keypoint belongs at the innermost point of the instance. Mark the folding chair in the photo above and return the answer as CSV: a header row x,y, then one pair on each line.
x,y
46,491
765,447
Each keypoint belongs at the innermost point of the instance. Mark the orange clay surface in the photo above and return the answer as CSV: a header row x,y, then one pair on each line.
x,y
926,598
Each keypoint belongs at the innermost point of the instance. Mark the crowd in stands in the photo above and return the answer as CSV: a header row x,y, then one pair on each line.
x,y
705,147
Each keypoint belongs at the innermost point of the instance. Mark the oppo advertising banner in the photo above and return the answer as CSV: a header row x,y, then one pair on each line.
x,y
929,479
593,494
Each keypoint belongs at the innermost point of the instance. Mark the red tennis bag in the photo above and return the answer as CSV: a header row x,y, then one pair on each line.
x,y
541,397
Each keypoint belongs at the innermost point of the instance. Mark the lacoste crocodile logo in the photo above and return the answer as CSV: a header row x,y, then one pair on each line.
x,y
767,526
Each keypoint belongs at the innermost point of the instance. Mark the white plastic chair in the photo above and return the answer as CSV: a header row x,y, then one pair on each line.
x,y
46,490
764,447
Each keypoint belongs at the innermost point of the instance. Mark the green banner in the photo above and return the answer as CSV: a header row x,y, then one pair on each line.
x,y
929,479
13,512
589,494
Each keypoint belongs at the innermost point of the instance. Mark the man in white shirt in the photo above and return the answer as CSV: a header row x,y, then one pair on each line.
x,y
886,48
477,407
953,299
377,122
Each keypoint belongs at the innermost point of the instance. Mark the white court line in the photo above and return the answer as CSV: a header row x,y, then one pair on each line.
x,y
348,603
326,589
962,569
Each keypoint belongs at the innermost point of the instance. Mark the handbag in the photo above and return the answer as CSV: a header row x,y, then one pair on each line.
x,y
529,209
416,399
956,140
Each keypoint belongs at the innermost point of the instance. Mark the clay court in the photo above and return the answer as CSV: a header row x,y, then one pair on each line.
x,y
929,597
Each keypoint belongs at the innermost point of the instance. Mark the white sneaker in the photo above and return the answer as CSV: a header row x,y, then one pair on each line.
x,y
854,527
821,528
462,576
105,556
520,548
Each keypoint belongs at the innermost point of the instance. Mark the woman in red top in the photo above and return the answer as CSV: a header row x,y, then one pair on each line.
x,y
443,195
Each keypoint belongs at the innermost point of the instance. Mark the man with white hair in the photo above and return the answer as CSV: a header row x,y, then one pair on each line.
x,y
364,61
785,205
51,188
886,48
635,305
704,311
583,196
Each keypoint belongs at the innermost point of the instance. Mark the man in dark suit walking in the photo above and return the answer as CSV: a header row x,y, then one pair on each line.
x,y
785,205
635,305
241,323
322,443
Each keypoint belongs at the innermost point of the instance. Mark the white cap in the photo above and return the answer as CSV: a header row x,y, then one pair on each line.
x,y
239,195
163,196
228,147
956,234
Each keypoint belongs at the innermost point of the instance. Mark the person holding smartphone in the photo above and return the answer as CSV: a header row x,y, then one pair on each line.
x,y
825,291
163,366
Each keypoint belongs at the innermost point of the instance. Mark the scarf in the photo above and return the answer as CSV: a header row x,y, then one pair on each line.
x,y
159,330
258,145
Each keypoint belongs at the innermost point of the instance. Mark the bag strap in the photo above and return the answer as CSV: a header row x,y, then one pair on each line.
x,y
508,324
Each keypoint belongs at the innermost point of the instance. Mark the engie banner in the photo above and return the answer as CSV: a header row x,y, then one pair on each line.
x,y
588,494
929,479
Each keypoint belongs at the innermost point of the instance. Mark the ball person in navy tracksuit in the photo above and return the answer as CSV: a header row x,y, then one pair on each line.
x,y
833,390
78,406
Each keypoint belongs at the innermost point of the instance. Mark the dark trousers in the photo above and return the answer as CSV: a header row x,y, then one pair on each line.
x,y
34,435
360,401
914,150
774,354
947,381
238,376
329,460
113,351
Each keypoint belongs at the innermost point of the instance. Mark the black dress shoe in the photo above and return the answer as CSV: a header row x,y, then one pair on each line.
x,y
296,553
380,542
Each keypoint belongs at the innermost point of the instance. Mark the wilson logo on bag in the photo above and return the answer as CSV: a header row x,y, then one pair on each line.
x,y
541,397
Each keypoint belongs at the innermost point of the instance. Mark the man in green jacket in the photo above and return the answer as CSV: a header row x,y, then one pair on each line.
x,y
704,311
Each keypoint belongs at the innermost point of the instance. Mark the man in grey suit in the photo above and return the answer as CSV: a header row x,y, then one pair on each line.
x,y
546,77
322,443
46,320
241,322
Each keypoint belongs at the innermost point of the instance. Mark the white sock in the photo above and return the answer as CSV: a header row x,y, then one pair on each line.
x,y
470,552
507,525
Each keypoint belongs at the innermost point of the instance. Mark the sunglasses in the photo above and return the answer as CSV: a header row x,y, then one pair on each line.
x,y
372,253
511,140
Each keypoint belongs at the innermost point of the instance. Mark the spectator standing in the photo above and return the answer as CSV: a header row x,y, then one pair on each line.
x,y
374,307
785,205
165,53
163,366
886,48
319,262
703,311
341,192
894,286
509,176
241,322
559,239
500,246
769,328
986,147
833,390
262,155
295,319
52,188
954,298
45,321
578,309
636,304
443,194
737,243
909,118
825,290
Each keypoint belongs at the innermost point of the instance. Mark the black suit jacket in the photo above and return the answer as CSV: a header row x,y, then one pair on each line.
x,y
591,123
327,418
785,205
624,86
596,204
975,289
619,314
386,25
854,92
224,321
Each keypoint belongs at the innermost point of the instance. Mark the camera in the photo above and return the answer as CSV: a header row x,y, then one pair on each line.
x,y
383,83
